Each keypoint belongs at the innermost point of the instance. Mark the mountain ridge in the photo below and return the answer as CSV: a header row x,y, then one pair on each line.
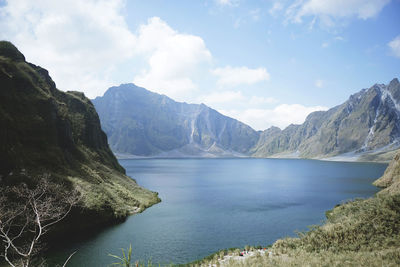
x,y
366,127
158,124
364,124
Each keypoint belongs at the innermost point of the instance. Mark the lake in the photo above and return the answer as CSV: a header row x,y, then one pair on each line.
x,y
212,204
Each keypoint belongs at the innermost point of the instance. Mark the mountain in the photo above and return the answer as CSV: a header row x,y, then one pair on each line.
x,y
139,122
365,127
44,130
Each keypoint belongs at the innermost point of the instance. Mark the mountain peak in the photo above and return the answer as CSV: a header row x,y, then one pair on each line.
x,y
7,49
144,123
126,89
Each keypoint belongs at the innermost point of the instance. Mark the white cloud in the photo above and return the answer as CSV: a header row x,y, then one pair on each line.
x,y
395,46
319,83
84,44
281,116
173,58
230,76
329,10
79,42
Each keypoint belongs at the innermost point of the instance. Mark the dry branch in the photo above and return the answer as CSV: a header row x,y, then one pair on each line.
x,y
26,214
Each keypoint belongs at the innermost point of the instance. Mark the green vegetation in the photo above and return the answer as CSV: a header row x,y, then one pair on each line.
x,y
325,258
391,178
44,130
126,260
8,50
359,225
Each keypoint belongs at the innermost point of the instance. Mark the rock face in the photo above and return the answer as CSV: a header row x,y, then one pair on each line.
x,y
44,130
366,126
139,122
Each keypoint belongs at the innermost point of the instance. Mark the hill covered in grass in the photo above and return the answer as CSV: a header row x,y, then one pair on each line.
x,y
45,130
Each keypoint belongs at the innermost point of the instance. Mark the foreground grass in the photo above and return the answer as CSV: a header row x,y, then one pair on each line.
x,y
387,257
358,233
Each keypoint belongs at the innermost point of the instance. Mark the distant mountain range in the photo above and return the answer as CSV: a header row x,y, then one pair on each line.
x,y
142,123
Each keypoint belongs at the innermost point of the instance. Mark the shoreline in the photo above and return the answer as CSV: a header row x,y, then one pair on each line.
x,y
329,159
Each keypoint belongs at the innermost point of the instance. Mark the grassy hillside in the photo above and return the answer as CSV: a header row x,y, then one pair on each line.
x,y
390,180
44,130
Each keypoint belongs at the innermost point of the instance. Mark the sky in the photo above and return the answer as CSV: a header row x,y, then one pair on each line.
x,y
263,62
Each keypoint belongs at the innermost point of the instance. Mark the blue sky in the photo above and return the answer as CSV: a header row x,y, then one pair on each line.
x,y
263,62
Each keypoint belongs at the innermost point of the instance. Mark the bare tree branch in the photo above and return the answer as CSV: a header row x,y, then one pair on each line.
x,y
70,256
26,214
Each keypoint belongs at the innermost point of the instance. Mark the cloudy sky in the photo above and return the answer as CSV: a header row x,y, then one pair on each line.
x,y
264,62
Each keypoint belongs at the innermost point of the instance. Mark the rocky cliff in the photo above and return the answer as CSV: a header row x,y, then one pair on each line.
x,y
143,123
44,130
365,127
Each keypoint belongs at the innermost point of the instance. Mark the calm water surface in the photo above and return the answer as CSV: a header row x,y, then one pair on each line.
x,y
211,204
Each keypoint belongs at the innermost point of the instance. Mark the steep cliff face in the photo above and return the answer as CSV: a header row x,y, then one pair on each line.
x,y
143,123
367,121
44,130
275,141
366,125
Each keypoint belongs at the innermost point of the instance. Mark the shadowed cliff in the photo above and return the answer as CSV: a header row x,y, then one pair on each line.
x,y
44,130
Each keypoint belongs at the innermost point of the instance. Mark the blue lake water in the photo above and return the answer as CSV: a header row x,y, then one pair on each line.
x,y
212,204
